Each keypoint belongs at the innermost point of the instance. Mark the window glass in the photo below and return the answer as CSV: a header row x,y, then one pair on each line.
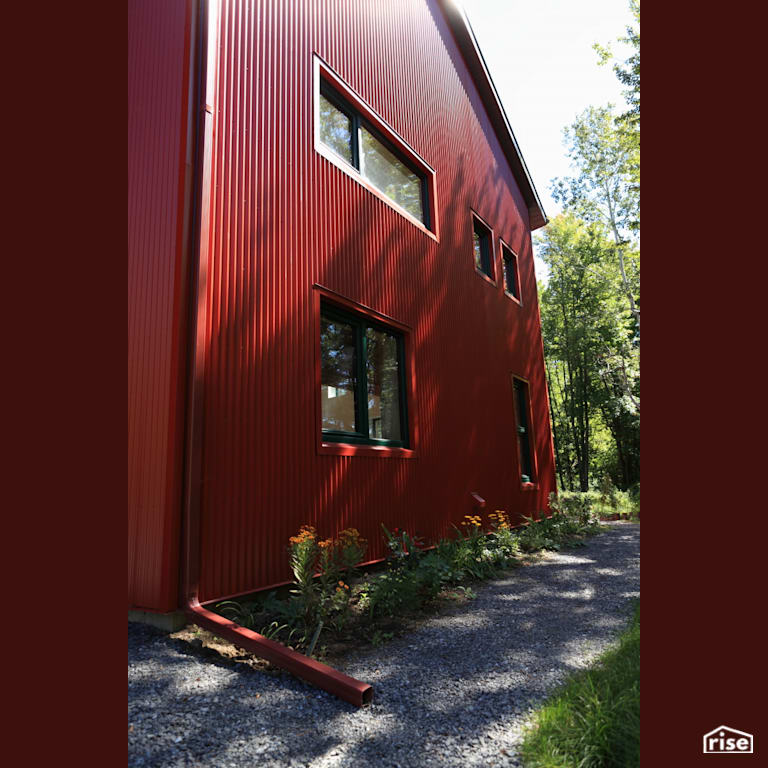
x,y
510,274
383,374
335,129
388,174
481,241
523,436
338,377
361,380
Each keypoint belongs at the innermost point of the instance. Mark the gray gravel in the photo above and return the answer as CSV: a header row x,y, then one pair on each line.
x,y
456,692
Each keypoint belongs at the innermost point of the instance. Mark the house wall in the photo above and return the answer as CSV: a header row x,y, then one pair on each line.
x,y
158,192
282,219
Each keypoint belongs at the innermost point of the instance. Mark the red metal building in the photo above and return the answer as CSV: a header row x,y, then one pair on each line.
x,y
333,316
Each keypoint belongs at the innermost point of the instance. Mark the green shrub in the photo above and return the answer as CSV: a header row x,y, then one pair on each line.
x,y
390,593
591,506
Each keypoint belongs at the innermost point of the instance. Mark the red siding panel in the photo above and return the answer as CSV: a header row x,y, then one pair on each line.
x,y
283,219
158,78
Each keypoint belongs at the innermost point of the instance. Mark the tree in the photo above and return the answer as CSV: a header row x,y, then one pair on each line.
x,y
629,73
591,306
585,329
602,189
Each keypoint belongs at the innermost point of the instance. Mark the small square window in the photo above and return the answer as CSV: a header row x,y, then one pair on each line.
x,y
511,277
481,243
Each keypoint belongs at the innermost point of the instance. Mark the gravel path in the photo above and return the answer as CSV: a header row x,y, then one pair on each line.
x,y
455,692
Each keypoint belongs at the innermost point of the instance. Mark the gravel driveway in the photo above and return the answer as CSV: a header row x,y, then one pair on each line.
x,y
453,693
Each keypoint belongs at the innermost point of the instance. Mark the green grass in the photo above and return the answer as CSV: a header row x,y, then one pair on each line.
x,y
594,719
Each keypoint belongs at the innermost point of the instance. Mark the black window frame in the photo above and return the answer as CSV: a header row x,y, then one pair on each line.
x,y
509,256
485,233
523,429
358,121
361,324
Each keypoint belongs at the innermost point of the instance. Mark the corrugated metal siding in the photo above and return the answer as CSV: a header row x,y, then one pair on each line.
x,y
158,39
283,218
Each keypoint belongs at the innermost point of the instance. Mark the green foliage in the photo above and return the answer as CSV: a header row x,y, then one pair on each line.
x,y
629,73
378,638
415,576
590,308
572,518
537,536
241,613
576,505
322,598
592,362
390,593
603,188
594,719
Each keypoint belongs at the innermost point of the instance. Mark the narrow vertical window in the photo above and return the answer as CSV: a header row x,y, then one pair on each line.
x,y
361,380
481,243
511,277
523,430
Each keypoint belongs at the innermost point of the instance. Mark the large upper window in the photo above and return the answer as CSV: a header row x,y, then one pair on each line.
x,y
362,380
523,430
371,151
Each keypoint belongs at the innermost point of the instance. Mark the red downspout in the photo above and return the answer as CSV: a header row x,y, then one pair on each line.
x,y
320,675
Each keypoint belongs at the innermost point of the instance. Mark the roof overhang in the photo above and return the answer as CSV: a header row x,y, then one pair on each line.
x,y
465,38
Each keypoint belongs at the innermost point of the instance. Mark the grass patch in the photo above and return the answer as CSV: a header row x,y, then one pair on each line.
x,y
593,721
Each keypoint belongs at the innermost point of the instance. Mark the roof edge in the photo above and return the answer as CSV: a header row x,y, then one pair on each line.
x,y
473,56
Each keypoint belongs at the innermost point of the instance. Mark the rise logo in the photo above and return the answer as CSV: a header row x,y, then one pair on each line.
x,y
727,741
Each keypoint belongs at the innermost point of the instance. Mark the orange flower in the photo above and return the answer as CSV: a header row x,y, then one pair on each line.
x,y
306,533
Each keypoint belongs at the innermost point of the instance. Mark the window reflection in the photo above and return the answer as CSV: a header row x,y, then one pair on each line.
x,y
335,129
388,174
383,376
338,378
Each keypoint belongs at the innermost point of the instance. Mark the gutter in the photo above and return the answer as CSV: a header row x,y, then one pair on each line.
x,y
201,114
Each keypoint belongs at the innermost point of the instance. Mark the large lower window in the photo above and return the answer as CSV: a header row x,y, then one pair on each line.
x,y
362,380
523,430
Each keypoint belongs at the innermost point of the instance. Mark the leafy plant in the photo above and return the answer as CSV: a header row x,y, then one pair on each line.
x,y
303,549
379,638
241,613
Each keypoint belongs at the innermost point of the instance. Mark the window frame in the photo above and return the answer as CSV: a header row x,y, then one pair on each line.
x,y
339,93
327,303
532,482
505,248
479,220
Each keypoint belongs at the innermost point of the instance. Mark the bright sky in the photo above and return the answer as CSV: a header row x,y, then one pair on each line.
x,y
539,54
